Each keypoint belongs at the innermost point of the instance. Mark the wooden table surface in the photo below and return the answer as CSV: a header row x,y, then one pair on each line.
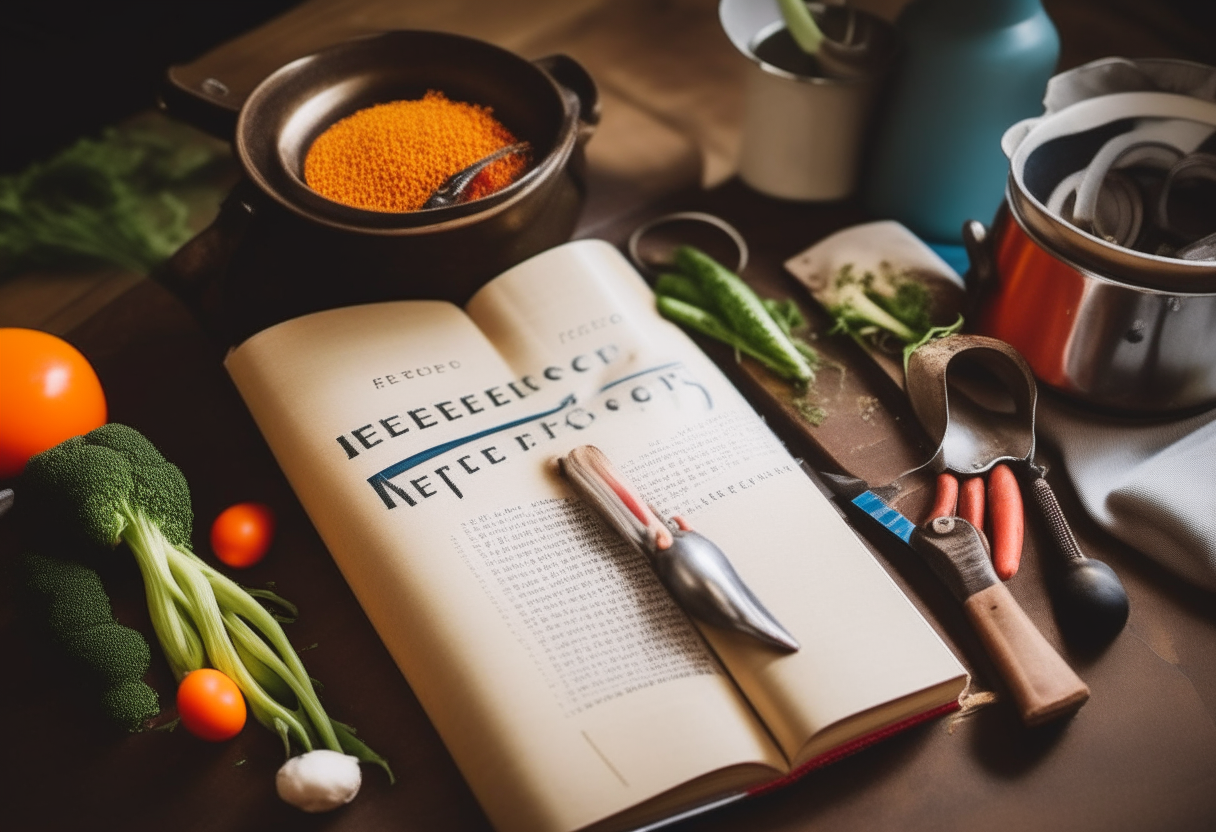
x,y
1140,755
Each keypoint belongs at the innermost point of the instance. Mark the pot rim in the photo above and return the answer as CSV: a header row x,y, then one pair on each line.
x,y
379,223
1167,274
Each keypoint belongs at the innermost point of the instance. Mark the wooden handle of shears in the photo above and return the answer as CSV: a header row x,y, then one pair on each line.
x,y
1044,687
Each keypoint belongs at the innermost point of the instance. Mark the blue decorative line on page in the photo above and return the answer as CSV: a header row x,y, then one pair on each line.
x,y
430,453
380,480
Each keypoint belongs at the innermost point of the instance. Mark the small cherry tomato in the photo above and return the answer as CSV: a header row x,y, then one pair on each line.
x,y
242,533
210,705
48,393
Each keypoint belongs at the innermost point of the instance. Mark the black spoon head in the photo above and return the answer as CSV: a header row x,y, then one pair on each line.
x,y
1092,603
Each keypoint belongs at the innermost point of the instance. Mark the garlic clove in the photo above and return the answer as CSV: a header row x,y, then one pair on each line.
x,y
318,781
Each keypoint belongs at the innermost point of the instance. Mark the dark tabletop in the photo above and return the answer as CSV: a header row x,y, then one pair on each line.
x,y
1140,755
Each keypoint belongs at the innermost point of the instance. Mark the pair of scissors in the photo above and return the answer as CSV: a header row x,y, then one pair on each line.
x,y
976,397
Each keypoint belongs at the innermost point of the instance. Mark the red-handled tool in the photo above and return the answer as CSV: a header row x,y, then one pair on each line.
x,y
994,507
976,397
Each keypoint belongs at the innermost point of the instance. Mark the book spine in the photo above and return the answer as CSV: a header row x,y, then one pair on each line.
x,y
853,747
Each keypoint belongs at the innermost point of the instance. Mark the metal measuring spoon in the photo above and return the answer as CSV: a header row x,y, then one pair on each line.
x,y
450,192
985,418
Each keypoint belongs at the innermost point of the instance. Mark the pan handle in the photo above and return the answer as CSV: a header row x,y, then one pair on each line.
x,y
570,74
196,273
210,105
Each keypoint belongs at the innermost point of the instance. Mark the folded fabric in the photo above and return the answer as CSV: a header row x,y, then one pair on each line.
x,y
1151,484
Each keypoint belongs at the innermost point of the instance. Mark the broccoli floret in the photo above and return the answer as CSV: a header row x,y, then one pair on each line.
x,y
112,485
111,659
911,303
113,653
130,703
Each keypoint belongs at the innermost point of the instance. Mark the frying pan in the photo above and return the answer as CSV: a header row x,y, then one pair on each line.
x,y
278,249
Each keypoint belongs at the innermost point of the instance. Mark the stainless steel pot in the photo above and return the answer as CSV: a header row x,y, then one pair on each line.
x,y
278,249
1104,342
1111,327
1033,149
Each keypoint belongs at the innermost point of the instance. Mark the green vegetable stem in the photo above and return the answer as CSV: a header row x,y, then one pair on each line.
x,y
696,318
112,485
68,599
715,301
802,25
879,307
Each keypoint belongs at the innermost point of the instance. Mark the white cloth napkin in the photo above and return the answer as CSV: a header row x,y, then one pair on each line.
x,y
1151,484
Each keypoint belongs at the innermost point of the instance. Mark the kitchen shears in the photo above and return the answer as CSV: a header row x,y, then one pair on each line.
x,y
976,396
981,414
1043,686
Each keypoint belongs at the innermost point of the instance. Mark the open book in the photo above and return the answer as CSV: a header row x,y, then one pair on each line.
x,y
570,689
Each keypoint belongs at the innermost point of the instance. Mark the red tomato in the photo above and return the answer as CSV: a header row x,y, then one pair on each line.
x,y
48,393
242,533
210,705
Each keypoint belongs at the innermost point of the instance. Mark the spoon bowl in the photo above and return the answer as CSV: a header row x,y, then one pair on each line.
x,y
453,188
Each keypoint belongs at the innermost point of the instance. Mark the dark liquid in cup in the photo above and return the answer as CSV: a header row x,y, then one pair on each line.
x,y
780,50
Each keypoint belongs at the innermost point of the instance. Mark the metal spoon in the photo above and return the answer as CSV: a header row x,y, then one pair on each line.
x,y
979,424
696,573
450,192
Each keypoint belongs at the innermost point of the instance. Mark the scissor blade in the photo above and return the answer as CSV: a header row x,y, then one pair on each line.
x,y
889,518
872,501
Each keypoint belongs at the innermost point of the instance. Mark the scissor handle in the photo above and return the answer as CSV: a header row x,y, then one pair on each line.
x,y
1044,687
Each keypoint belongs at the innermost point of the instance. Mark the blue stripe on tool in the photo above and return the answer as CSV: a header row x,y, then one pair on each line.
x,y
895,522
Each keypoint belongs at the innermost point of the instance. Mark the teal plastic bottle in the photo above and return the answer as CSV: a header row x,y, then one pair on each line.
x,y
968,70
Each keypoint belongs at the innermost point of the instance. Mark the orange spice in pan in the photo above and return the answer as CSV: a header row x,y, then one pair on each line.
x,y
392,157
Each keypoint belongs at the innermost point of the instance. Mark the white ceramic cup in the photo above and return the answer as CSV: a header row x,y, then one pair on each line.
x,y
802,135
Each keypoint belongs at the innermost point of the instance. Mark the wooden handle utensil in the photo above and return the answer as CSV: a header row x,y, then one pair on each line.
x,y
1043,686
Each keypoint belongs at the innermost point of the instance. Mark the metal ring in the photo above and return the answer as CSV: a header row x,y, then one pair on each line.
x,y
679,216
1192,166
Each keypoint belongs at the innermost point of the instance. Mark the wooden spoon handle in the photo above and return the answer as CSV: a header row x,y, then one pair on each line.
x,y
1044,687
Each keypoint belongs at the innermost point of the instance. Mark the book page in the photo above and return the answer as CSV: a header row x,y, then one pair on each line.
x,y
693,446
565,682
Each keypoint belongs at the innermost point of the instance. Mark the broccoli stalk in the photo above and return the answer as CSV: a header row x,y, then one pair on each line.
x,y
112,485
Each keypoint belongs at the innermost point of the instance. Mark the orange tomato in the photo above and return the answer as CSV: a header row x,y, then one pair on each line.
x,y
241,534
48,393
210,705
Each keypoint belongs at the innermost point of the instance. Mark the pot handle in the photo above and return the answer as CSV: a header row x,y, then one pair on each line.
x,y
208,105
197,271
570,75
981,276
